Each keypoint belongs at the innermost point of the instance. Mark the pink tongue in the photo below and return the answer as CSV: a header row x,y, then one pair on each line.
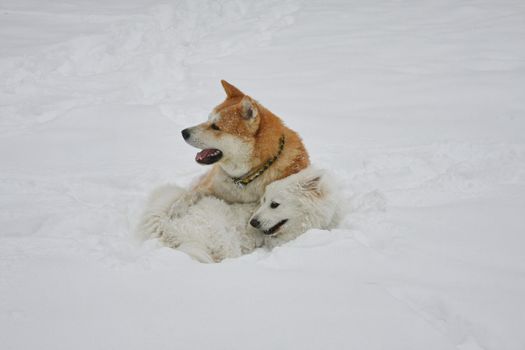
x,y
204,154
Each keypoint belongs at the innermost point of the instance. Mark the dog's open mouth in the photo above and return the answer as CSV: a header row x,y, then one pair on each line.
x,y
208,156
275,228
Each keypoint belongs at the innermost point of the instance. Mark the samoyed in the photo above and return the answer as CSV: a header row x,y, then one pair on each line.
x,y
213,230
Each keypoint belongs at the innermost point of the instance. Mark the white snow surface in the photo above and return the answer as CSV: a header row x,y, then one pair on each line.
x,y
418,107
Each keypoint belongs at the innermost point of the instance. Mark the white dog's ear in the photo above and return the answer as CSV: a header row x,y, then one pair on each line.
x,y
312,184
249,108
231,91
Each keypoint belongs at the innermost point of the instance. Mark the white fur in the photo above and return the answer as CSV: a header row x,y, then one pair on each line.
x,y
308,199
210,231
213,230
236,153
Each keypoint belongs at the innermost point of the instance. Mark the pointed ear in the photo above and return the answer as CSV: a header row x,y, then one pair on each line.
x,y
249,108
312,184
231,91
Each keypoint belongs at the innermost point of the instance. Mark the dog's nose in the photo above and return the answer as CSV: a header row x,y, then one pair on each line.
x,y
185,134
255,223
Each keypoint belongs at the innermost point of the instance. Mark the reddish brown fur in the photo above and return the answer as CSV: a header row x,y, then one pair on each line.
x,y
294,158
231,120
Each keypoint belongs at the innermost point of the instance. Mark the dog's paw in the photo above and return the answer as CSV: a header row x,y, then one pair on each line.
x,y
181,206
151,226
178,209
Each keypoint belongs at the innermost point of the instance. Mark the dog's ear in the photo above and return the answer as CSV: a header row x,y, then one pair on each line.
x,y
249,108
231,91
312,184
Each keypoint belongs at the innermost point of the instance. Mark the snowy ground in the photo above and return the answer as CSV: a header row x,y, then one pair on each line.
x,y
418,106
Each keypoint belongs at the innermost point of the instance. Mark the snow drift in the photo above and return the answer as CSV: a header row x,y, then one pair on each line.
x,y
418,106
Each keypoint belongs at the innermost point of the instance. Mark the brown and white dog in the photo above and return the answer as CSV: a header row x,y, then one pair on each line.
x,y
249,146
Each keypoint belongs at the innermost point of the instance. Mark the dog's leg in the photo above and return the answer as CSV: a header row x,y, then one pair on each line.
x,y
183,203
152,225
251,239
197,252
156,212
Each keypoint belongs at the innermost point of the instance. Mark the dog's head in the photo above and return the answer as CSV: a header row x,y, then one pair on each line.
x,y
294,204
228,136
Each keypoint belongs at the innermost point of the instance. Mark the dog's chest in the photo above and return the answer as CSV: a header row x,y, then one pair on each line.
x,y
225,188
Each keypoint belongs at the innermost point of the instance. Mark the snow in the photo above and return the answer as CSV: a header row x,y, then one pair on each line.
x,y
417,106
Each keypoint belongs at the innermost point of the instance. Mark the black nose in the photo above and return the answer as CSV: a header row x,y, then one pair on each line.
x,y
185,134
255,223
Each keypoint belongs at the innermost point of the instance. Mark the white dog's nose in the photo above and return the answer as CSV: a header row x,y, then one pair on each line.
x,y
255,223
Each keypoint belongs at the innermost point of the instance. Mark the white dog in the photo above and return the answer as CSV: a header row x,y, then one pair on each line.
x,y
213,230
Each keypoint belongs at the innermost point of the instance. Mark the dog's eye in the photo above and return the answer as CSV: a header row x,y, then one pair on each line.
x,y
274,205
215,127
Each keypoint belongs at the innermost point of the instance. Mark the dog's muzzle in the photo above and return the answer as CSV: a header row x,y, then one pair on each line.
x,y
275,228
206,156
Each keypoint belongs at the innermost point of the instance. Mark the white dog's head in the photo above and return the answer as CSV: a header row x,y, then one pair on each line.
x,y
295,204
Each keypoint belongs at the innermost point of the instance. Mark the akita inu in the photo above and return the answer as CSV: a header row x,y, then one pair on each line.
x,y
250,147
